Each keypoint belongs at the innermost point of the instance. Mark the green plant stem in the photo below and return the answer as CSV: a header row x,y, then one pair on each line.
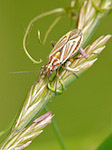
x,y
55,11
57,131
49,30
58,134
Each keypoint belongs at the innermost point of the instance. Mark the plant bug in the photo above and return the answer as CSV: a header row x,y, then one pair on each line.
x,y
65,49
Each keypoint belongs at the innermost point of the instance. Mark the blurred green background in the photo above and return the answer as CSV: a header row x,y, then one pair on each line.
x,y
84,111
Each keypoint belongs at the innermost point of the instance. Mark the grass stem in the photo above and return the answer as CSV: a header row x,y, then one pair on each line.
x,y
57,132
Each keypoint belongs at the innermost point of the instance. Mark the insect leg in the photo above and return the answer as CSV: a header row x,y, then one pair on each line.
x,y
39,76
53,43
85,55
55,88
41,71
57,78
48,76
60,80
70,70
82,52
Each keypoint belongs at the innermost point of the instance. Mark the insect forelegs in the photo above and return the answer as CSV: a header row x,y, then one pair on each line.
x,y
56,83
41,72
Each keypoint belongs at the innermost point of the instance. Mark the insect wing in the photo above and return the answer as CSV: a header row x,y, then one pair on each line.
x,y
72,46
77,47
59,45
68,45
67,51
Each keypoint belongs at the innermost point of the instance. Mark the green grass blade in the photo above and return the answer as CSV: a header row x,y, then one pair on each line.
x,y
107,144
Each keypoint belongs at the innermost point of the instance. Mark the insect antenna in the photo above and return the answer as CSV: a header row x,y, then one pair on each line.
x,y
17,72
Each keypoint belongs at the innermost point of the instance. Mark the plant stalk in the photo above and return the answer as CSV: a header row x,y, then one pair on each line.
x,y
57,131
